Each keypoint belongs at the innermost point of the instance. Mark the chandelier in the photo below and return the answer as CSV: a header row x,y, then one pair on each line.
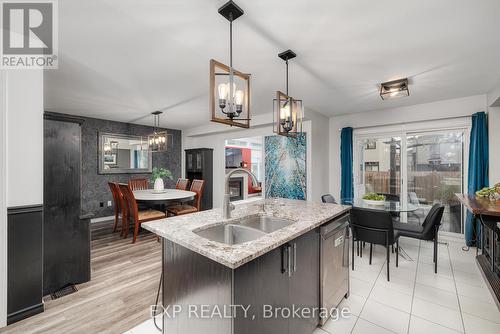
x,y
158,139
288,112
229,88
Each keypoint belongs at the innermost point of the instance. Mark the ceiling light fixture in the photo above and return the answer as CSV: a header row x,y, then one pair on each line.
x,y
229,88
288,112
394,89
158,139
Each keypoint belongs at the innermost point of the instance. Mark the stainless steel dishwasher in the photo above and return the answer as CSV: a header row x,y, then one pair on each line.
x,y
334,263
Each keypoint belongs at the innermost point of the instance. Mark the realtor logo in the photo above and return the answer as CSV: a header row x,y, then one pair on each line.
x,y
29,34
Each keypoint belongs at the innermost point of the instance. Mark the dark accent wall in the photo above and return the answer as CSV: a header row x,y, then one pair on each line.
x,y
94,185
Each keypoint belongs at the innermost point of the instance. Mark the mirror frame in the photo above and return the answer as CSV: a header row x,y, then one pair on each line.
x,y
100,156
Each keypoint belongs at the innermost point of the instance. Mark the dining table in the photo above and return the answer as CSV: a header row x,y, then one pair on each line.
x,y
395,208
389,206
163,197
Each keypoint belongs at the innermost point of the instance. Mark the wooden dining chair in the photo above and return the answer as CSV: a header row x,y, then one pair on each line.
x,y
182,184
138,184
183,209
119,204
133,212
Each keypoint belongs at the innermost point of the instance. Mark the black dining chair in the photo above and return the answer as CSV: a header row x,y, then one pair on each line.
x,y
375,227
328,199
427,231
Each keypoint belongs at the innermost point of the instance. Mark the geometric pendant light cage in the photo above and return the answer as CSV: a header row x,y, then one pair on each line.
x,y
288,113
229,88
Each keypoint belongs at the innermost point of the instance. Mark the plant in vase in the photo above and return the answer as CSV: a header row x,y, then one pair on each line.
x,y
157,178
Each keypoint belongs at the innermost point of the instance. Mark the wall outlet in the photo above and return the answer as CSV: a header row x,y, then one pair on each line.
x,y
109,203
101,204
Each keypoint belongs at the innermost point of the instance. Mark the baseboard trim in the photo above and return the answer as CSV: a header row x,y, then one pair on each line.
x,y
101,219
26,313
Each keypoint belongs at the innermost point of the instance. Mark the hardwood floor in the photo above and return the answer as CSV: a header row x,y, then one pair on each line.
x,y
124,283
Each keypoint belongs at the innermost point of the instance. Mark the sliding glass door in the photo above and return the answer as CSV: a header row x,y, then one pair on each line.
x,y
416,168
435,172
379,166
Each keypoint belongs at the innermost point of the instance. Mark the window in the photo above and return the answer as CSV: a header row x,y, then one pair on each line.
x,y
417,167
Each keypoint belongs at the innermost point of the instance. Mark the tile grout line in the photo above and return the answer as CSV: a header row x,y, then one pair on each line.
x,y
364,304
414,286
456,290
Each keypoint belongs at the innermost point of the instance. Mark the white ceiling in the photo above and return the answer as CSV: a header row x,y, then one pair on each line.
x,y
122,59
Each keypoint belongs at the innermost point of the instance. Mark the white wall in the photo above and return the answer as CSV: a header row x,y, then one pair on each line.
x,y
21,146
3,199
417,113
493,98
215,135
24,137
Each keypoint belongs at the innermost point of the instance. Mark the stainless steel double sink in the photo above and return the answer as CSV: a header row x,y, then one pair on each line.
x,y
245,229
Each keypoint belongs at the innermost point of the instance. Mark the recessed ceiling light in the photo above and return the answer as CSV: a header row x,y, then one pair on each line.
x,y
394,89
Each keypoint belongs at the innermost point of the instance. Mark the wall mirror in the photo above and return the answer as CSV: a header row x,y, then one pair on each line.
x,y
123,154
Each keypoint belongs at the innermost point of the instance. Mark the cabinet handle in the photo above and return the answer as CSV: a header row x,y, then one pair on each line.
x,y
294,257
284,259
289,261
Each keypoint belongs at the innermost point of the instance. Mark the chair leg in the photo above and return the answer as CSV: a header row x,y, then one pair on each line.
x,y
361,249
125,226
388,257
136,231
435,254
397,252
371,252
357,248
352,253
392,249
116,222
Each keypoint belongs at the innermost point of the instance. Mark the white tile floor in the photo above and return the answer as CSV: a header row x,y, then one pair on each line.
x,y
455,300
415,301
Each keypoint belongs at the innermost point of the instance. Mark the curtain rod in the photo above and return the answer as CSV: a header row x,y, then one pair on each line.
x,y
426,120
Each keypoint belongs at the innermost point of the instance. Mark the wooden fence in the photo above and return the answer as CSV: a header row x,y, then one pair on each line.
x,y
429,186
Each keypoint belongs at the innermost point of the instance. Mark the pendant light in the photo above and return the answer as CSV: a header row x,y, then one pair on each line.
x,y
157,141
288,112
229,88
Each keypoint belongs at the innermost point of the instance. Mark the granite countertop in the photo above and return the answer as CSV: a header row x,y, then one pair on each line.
x,y
308,216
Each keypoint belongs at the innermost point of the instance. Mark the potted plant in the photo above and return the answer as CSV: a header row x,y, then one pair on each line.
x,y
157,177
374,199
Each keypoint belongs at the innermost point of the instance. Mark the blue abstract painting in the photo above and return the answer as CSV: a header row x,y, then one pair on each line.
x,y
285,167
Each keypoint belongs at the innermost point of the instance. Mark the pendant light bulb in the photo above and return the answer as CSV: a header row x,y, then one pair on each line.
x,y
223,91
285,112
238,100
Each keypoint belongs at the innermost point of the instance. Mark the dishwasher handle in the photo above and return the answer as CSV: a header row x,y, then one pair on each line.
x,y
333,227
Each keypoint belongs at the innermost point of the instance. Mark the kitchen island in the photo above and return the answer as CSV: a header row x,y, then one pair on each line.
x,y
247,273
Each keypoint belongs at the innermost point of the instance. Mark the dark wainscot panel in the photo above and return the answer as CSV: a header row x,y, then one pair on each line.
x,y
24,260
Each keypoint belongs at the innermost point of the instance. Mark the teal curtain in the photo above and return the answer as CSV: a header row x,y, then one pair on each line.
x,y
478,171
346,161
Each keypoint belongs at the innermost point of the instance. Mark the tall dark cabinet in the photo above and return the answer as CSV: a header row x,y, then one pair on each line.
x,y
199,165
66,233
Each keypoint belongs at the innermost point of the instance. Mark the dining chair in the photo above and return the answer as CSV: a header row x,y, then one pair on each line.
x,y
427,231
375,227
182,184
119,204
328,199
183,209
138,184
133,212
